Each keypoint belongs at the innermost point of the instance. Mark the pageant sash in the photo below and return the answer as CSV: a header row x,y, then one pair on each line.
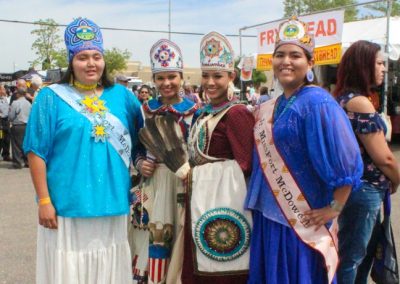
x,y
287,193
118,136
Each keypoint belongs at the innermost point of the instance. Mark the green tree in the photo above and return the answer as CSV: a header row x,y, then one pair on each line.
x,y
298,7
116,59
46,45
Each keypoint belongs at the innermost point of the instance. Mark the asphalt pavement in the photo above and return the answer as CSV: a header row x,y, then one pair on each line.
x,y
18,223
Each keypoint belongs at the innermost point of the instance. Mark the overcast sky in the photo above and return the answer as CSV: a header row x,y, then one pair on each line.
x,y
225,16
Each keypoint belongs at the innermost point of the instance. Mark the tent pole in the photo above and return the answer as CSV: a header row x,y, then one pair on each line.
x,y
386,85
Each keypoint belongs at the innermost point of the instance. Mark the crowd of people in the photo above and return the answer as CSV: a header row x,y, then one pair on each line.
x,y
15,107
287,191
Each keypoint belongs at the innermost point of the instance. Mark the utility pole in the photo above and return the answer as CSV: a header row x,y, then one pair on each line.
x,y
169,19
386,85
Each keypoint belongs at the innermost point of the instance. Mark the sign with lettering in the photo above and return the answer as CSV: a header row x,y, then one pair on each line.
x,y
327,29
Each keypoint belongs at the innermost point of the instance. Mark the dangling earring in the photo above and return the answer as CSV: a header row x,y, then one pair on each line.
x,y
230,92
310,76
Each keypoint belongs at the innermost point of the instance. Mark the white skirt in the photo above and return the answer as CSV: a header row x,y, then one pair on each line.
x,y
84,251
162,200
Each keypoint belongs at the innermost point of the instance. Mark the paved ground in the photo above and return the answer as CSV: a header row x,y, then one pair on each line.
x,y
18,217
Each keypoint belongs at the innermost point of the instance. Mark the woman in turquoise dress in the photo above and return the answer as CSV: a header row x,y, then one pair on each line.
x,y
305,164
80,138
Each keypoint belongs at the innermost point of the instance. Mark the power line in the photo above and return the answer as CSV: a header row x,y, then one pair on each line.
x,y
118,29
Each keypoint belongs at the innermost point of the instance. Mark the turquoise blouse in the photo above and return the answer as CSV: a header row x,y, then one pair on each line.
x,y
85,178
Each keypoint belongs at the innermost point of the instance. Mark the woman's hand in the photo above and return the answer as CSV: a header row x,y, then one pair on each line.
x,y
146,168
319,217
47,216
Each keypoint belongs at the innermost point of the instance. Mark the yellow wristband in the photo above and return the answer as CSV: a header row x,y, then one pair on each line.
x,y
44,201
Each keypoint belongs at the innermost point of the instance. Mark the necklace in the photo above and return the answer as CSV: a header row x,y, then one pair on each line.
x,y
85,87
288,105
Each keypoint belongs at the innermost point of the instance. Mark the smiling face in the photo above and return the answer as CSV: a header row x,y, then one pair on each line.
x,y
290,65
168,84
88,66
379,68
215,85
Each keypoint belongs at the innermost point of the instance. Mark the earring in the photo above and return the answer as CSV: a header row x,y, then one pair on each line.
x,y
230,94
310,76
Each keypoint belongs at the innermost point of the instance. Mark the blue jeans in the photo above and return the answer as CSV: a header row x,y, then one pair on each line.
x,y
356,224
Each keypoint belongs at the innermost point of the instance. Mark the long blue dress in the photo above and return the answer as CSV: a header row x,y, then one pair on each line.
x,y
314,137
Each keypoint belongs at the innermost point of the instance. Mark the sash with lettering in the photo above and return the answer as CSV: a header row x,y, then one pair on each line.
x,y
118,137
287,193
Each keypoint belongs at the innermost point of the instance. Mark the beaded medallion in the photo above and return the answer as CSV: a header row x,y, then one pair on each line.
x,y
222,234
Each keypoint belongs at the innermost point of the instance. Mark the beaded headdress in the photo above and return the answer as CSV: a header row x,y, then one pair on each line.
x,y
165,56
294,31
82,34
216,53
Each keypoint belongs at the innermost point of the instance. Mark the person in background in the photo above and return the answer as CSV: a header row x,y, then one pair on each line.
x,y
4,125
144,94
264,96
18,117
362,69
135,90
188,93
36,84
305,164
122,80
81,137
20,85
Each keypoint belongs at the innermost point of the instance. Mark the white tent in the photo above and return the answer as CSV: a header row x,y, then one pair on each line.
x,y
374,30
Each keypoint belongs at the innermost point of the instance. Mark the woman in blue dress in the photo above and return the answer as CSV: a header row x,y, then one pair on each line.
x,y
361,69
305,164
80,138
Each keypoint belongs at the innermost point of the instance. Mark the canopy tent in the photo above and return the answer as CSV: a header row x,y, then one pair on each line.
x,y
374,30
29,75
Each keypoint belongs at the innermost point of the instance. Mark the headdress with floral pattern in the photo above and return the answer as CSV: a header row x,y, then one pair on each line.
x,y
216,53
165,56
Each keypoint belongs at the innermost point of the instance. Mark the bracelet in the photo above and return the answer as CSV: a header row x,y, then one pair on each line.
x,y
336,206
44,201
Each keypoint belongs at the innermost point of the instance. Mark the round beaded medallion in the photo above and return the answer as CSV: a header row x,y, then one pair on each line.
x,y
222,234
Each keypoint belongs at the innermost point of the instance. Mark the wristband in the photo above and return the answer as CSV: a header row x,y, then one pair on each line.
x,y
44,201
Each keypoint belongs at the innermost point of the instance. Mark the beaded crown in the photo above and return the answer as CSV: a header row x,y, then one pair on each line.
x,y
82,34
294,31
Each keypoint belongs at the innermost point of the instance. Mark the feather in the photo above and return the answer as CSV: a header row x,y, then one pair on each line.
x,y
163,137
